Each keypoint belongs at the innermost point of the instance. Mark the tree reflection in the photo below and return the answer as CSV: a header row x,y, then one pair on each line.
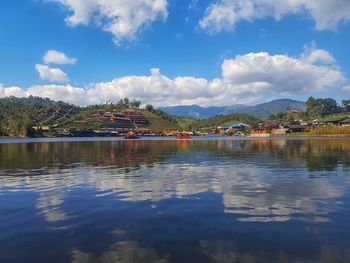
x,y
317,155
246,182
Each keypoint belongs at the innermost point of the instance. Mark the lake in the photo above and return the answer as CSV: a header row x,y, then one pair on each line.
x,y
162,200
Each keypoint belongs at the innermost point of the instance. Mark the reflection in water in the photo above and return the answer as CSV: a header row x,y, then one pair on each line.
x,y
226,252
317,155
249,179
122,252
49,206
270,182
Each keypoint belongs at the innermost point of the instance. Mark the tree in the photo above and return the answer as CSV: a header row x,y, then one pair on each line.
x,y
329,106
126,102
149,108
346,105
314,107
277,116
135,103
321,107
289,119
120,104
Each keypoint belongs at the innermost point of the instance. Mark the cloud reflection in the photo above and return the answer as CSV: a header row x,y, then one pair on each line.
x,y
220,251
49,206
260,181
121,252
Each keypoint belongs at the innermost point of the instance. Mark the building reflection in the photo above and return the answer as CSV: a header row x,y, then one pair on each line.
x,y
316,154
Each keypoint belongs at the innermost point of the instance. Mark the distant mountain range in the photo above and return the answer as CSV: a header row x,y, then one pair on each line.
x,y
260,110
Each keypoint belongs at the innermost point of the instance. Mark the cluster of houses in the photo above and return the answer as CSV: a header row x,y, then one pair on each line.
x,y
278,128
111,123
233,129
344,121
128,119
50,115
266,129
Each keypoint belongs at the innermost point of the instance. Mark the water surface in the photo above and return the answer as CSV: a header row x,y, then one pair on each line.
x,y
215,200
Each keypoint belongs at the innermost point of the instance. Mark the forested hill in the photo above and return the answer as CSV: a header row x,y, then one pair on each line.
x,y
226,120
18,114
25,116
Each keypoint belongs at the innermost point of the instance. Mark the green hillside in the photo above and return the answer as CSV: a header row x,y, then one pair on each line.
x,y
159,124
335,117
223,120
19,115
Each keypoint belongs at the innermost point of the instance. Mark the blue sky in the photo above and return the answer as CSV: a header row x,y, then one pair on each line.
x,y
175,52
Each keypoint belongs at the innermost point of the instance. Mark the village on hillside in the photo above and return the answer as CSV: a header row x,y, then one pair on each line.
x,y
39,117
120,123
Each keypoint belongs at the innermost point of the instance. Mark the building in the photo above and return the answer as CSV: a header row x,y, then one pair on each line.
x,y
316,122
345,122
262,134
297,128
280,131
234,126
128,119
123,122
100,117
41,128
268,126
136,117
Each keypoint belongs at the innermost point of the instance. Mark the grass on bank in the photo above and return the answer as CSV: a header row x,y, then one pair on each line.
x,y
335,117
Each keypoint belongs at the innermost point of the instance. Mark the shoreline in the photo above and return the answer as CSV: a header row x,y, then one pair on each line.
x,y
294,135
19,140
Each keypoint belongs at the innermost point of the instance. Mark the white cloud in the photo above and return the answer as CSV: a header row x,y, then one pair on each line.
x,y
313,55
123,18
12,91
59,58
51,74
224,14
65,93
319,56
245,79
279,73
346,89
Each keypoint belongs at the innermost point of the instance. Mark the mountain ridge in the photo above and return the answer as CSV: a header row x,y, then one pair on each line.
x,y
260,110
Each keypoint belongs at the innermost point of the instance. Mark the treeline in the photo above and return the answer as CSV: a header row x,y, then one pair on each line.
x,y
19,115
316,108
289,117
161,114
222,119
326,106
122,104
16,114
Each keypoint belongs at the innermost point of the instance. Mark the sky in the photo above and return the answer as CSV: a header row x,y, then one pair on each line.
x,y
175,52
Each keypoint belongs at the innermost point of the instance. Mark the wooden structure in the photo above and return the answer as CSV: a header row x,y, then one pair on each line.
x,y
136,117
183,135
345,122
297,128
